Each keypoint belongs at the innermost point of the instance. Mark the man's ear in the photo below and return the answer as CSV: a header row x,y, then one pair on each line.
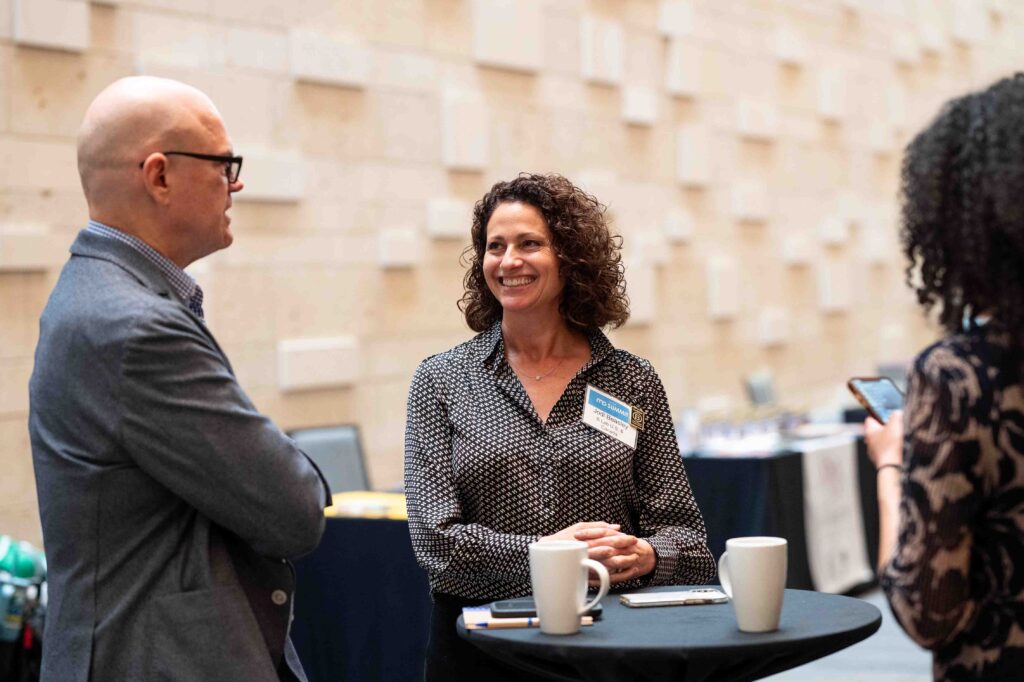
x,y
154,178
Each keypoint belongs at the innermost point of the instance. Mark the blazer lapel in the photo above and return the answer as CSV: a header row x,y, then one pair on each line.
x,y
89,245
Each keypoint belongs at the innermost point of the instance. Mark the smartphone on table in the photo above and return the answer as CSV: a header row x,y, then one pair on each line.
x,y
879,396
700,595
525,608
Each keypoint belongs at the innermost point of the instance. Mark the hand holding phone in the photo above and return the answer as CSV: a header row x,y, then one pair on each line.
x,y
878,395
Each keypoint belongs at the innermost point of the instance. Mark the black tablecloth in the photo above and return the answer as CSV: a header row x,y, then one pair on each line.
x,y
685,643
742,496
362,608
362,605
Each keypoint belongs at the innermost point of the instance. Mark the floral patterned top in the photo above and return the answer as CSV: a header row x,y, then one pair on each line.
x,y
956,580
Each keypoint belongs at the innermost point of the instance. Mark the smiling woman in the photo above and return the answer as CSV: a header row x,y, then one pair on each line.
x,y
587,253
498,451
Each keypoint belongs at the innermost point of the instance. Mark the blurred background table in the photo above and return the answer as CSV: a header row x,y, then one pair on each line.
x,y
763,495
362,605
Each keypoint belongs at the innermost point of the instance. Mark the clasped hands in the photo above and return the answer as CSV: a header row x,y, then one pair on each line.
x,y
625,556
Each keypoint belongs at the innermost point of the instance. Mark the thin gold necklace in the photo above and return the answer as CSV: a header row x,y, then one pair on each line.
x,y
537,377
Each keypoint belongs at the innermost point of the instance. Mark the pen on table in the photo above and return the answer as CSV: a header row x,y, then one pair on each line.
x,y
510,623
499,623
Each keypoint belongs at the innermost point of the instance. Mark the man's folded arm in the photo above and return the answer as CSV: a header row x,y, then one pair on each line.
x,y
187,423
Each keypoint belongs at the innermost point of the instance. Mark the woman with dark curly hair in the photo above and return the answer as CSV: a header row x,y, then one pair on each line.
x,y
497,455
951,490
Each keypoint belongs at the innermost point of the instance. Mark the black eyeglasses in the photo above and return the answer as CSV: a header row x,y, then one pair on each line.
x,y
232,164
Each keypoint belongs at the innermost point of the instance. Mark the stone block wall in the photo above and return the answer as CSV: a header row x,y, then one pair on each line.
x,y
748,150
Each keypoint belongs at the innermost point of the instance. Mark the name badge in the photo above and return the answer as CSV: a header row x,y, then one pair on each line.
x,y
612,417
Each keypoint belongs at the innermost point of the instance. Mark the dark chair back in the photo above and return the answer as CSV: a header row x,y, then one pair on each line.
x,y
339,454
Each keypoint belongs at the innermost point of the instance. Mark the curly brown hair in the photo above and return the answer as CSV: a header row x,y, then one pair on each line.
x,y
588,253
963,215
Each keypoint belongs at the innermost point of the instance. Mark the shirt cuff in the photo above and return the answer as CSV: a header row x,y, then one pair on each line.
x,y
666,556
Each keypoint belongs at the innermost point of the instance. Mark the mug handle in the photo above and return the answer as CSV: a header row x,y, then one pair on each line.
x,y
723,575
602,573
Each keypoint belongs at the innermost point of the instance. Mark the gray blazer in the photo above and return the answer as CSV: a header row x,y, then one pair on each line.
x,y
169,504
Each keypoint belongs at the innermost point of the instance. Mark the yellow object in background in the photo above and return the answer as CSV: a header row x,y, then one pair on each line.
x,y
368,505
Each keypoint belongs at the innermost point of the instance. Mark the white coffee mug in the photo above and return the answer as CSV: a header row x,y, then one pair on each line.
x,y
558,573
753,573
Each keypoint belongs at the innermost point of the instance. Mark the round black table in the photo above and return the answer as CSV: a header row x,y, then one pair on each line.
x,y
684,642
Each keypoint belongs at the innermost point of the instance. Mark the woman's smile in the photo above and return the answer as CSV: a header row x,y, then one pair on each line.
x,y
515,282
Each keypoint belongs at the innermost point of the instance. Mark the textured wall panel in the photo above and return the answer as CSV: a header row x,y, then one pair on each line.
x,y
34,80
852,208
650,247
833,230
773,327
639,105
318,363
834,286
253,48
881,137
757,120
507,34
449,219
723,288
272,176
693,156
28,163
931,27
969,24
465,131
750,201
602,57
320,58
790,47
168,40
905,49
675,18
398,247
52,24
678,225
797,250
898,106
28,251
683,69
642,288
877,245
831,93
932,38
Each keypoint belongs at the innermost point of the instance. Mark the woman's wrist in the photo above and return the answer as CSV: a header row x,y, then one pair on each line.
x,y
889,465
649,559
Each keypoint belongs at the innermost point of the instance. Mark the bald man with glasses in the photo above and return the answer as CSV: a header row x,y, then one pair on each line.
x,y
170,506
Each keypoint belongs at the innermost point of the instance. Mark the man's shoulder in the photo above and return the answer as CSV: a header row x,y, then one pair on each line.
x,y
100,295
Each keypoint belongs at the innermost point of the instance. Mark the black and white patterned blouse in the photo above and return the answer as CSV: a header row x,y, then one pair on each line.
x,y
956,580
484,477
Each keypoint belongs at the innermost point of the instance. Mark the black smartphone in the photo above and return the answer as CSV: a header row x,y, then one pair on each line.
x,y
879,396
525,608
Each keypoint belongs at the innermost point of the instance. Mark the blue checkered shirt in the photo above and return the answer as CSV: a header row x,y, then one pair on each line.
x,y
180,281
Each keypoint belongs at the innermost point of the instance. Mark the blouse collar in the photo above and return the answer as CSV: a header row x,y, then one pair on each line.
x,y
491,348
